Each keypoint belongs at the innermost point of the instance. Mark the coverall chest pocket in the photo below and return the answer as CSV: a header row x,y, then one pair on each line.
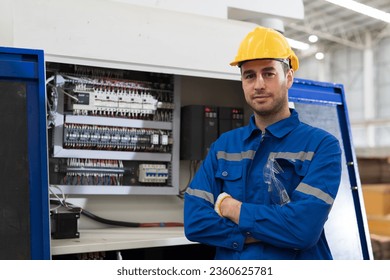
x,y
230,176
292,172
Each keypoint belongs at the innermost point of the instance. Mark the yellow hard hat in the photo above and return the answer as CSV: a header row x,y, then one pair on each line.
x,y
263,43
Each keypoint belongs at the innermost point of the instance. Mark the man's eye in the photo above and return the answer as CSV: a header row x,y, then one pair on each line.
x,y
268,75
249,76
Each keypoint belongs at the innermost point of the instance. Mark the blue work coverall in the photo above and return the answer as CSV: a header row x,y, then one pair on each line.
x,y
310,159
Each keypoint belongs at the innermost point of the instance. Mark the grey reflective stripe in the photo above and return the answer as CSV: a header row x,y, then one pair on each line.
x,y
307,189
202,194
293,156
236,156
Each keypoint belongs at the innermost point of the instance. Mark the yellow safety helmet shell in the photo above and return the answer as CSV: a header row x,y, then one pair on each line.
x,y
265,43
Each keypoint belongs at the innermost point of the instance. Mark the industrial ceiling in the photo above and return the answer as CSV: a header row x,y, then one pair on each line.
x,y
336,26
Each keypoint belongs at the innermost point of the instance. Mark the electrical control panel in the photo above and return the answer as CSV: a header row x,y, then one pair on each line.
x,y
112,131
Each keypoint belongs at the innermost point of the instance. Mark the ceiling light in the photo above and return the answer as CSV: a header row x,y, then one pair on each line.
x,y
297,44
363,9
320,55
313,38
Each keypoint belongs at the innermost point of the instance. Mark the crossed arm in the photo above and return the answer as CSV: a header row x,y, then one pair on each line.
x,y
230,208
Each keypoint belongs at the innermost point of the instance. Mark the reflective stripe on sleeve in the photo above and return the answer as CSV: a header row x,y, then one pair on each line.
x,y
201,194
307,189
236,156
293,156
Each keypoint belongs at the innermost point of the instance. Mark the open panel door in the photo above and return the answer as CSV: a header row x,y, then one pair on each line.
x,y
24,215
324,105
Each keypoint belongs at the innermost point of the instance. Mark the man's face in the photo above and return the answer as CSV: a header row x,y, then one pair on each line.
x,y
266,86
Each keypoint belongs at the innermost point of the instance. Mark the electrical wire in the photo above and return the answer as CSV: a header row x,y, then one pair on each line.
x,y
193,167
61,202
52,103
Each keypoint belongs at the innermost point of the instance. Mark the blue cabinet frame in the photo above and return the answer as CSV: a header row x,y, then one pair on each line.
x,y
27,68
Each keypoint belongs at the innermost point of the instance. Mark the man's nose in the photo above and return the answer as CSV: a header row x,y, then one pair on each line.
x,y
259,83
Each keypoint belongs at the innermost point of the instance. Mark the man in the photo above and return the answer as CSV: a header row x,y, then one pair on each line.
x,y
265,190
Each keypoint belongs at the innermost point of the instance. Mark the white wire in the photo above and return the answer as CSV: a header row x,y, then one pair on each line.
x,y
49,79
61,200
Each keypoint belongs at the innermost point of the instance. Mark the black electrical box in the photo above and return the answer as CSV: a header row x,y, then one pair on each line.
x,y
199,128
64,224
229,118
201,125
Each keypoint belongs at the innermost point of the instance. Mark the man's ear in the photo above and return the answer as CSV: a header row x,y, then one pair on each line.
x,y
290,78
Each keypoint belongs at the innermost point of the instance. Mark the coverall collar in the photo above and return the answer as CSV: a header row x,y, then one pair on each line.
x,y
278,129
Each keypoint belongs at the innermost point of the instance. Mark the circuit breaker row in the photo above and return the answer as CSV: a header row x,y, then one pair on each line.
x,y
102,172
116,138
